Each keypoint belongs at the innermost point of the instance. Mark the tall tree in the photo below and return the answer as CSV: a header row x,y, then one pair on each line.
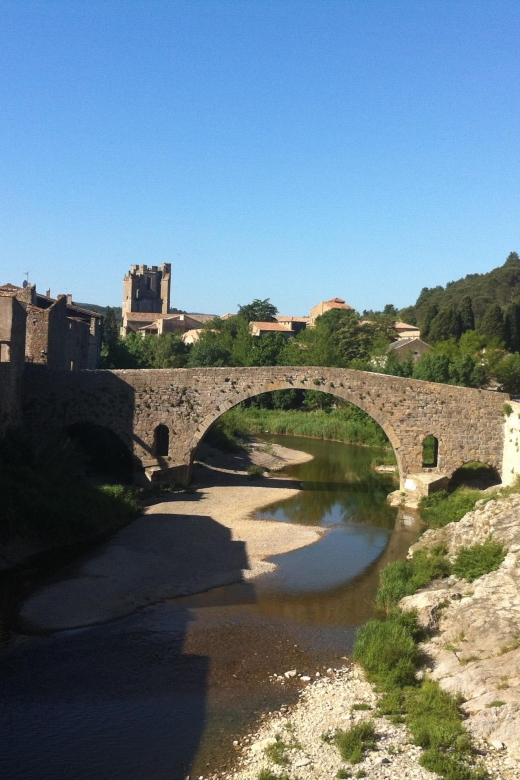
x,y
445,325
512,326
492,323
258,311
467,317
431,313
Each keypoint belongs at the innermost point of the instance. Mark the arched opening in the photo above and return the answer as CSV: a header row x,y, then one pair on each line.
x,y
225,431
161,441
430,451
101,451
474,475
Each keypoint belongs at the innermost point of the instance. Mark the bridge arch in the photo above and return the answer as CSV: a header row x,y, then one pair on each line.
x,y
341,393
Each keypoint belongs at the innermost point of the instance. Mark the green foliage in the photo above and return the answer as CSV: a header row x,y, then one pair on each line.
x,y
403,578
388,651
343,774
441,508
492,323
361,706
473,562
255,472
166,350
354,742
266,774
258,311
467,316
350,424
501,285
508,374
276,753
446,324
432,368
429,451
433,717
496,703
46,498
451,767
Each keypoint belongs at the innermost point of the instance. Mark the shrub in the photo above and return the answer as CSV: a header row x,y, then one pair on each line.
x,y
356,741
451,767
255,472
276,753
433,717
403,578
473,562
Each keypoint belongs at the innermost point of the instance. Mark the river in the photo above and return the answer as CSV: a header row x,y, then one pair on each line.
x,y
163,693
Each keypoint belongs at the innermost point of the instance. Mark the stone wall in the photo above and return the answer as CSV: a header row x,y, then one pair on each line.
x,y
12,360
468,423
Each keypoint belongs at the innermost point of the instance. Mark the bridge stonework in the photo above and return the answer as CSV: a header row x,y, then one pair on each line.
x,y
468,423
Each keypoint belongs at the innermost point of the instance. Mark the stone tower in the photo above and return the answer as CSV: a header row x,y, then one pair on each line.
x,y
147,289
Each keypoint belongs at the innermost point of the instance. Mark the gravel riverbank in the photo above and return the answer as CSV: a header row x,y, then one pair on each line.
x,y
185,543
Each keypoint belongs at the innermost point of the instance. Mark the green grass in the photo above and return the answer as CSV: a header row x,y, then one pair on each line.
x,y
473,562
276,752
403,578
266,774
348,425
496,703
354,742
388,651
441,508
361,706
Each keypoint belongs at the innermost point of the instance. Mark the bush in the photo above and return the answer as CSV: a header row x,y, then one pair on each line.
x,y
451,767
403,578
255,472
441,508
356,741
434,719
473,562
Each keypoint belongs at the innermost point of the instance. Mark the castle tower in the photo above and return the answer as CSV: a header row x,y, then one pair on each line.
x,y
147,289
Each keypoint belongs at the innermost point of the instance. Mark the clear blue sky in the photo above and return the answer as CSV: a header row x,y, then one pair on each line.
x,y
294,150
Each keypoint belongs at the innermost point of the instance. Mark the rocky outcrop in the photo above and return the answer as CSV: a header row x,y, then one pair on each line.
x,y
475,644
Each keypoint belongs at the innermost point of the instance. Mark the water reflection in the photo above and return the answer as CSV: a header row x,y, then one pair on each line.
x,y
339,486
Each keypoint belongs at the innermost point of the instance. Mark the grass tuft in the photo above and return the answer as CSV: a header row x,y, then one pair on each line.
x,y
352,744
403,578
473,562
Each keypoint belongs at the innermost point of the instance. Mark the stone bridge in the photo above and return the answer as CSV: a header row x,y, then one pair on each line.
x,y
161,415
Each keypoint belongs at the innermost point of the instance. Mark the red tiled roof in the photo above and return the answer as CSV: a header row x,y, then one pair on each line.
x,y
270,326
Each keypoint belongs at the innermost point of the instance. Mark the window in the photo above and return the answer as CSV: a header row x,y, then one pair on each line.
x,y
430,451
161,440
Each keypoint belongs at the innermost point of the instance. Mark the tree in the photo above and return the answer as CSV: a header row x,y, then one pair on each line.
x,y
390,310
408,315
267,349
445,325
492,323
433,368
512,259
512,326
431,313
508,374
208,351
258,311
467,318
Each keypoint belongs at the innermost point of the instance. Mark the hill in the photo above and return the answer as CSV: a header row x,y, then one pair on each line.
x,y
101,309
501,285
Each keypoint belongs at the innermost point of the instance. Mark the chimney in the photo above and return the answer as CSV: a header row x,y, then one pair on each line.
x,y
69,299
48,294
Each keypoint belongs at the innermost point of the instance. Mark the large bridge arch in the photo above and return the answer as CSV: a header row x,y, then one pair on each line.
x,y
468,423
228,404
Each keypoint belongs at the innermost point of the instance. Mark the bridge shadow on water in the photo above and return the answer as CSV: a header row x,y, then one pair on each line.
x,y
120,700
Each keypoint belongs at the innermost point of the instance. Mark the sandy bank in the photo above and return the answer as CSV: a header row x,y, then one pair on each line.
x,y
182,545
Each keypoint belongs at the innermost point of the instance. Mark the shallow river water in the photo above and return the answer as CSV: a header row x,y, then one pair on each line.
x,y
161,694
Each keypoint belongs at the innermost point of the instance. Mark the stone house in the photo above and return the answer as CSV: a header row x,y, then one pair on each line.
x,y
405,331
261,328
297,324
58,333
404,349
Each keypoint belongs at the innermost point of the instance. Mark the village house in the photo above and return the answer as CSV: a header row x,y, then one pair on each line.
x,y
59,334
404,349
323,306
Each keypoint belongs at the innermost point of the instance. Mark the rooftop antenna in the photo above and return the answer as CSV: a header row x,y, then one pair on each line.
x,y
26,281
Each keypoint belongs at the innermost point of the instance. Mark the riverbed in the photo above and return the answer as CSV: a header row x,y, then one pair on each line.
x,y
163,693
